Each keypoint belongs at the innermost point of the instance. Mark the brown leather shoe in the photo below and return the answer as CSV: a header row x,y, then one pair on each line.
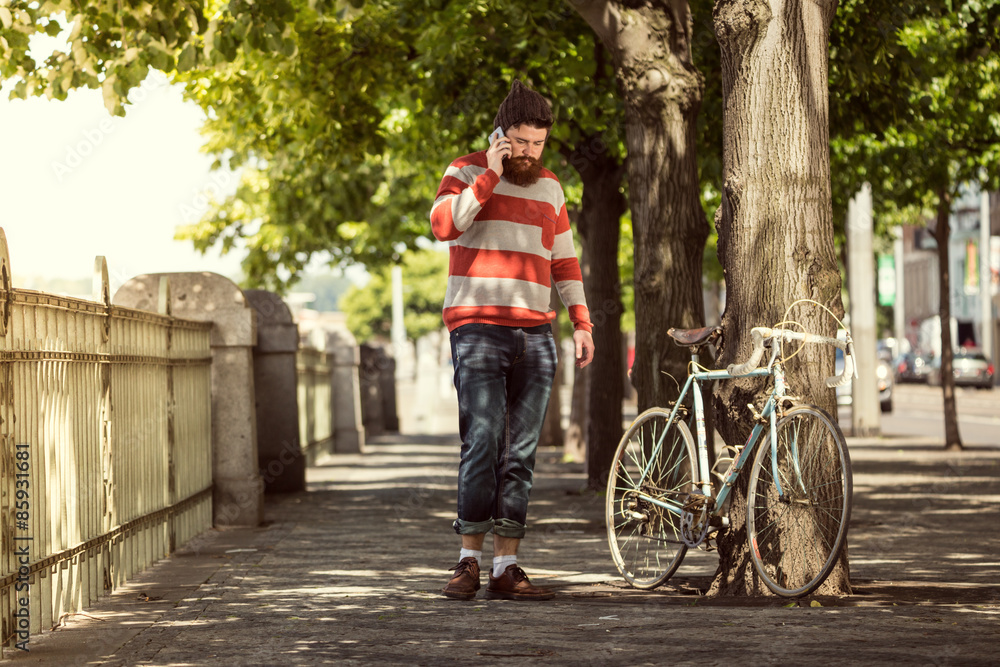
x,y
465,582
513,584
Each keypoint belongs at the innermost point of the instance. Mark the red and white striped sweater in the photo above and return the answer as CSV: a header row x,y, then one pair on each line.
x,y
508,243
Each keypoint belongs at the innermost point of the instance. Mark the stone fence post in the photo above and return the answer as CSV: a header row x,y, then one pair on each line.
x,y
279,451
238,491
378,389
349,434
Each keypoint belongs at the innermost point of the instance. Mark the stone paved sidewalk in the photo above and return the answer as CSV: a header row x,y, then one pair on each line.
x,y
350,572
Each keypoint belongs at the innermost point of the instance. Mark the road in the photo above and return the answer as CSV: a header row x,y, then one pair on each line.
x,y
917,411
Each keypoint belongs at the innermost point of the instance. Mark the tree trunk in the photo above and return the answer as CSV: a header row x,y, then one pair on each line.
x,y
596,413
599,226
775,225
575,438
651,47
942,233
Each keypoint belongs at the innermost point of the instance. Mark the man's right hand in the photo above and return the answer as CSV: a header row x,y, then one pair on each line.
x,y
496,153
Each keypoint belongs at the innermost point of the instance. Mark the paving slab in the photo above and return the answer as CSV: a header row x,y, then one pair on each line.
x,y
349,572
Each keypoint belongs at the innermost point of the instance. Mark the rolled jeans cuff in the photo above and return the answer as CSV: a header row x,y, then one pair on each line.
x,y
508,528
502,527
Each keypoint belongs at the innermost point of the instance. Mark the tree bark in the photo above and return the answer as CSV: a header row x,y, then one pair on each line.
x,y
942,233
599,226
775,225
650,45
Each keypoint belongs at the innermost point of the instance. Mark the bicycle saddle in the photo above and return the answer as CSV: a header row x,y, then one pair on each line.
x,y
691,337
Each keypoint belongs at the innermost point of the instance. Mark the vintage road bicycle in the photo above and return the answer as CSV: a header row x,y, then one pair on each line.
x,y
661,495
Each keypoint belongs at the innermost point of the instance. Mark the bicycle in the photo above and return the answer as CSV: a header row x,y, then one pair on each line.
x,y
661,499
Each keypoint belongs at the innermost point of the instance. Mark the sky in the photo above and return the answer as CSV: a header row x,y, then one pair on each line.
x,y
76,182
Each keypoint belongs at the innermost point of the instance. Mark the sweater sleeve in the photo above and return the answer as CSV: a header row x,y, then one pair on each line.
x,y
464,190
567,275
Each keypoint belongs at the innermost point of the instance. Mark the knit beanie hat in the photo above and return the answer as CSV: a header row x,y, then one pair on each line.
x,y
523,105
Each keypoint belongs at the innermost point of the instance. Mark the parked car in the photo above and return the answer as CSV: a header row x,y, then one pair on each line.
x,y
883,375
970,367
912,367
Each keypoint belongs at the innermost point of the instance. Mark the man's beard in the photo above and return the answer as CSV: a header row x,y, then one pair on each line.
x,y
522,170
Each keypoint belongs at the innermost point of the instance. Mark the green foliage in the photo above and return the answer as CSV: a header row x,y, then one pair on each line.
x,y
342,145
924,116
339,119
112,45
626,267
425,280
314,135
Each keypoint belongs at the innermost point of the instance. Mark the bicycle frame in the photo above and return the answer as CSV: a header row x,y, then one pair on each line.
x,y
768,416
669,493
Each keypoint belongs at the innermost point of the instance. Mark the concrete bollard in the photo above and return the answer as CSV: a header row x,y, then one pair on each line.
x,y
349,434
279,451
238,491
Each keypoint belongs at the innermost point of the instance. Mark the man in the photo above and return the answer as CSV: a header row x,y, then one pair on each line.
x,y
505,218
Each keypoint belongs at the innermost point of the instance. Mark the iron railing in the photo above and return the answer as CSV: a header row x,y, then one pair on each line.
x,y
106,456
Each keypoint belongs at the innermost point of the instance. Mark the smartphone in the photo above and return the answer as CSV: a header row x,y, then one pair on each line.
x,y
496,134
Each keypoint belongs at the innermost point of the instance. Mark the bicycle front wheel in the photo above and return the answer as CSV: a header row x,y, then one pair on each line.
x,y
655,460
799,502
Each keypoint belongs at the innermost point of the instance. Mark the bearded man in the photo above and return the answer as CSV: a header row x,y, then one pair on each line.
x,y
505,218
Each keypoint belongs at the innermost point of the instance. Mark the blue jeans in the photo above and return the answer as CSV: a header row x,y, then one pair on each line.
x,y
504,378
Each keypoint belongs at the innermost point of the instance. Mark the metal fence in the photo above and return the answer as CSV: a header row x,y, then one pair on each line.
x,y
105,421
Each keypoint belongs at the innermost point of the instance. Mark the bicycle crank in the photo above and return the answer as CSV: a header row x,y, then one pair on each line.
x,y
695,520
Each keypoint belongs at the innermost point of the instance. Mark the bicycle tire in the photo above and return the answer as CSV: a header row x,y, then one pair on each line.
x,y
795,540
645,539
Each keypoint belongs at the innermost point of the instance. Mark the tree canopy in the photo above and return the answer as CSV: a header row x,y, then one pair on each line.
x,y
113,45
343,144
915,104
922,122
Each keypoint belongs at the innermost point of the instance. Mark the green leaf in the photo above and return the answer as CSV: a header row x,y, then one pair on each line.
x,y
187,59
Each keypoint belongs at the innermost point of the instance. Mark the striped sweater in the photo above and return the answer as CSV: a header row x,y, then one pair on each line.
x,y
508,243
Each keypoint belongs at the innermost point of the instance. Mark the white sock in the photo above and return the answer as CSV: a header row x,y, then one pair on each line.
x,y
500,564
465,553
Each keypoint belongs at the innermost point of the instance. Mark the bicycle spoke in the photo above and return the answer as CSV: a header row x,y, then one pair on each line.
x,y
797,537
654,460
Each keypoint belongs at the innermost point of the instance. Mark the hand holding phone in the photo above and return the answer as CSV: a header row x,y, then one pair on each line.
x,y
495,154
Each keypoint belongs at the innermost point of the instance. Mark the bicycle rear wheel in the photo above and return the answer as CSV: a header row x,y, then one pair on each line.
x,y
645,538
795,537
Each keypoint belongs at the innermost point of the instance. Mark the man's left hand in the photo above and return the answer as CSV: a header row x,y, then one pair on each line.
x,y
584,347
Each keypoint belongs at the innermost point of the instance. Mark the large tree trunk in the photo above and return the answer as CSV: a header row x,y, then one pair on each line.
x,y
942,233
775,224
651,47
599,225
